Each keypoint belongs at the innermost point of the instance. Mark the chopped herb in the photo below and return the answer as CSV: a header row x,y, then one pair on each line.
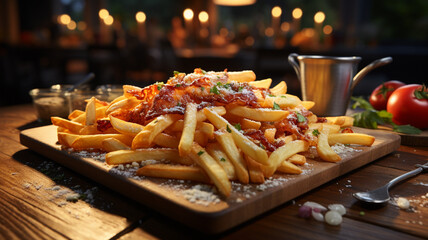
x,y
214,90
227,85
271,95
219,84
238,126
222,159
200,153
177,85
160,85
240,88
262,146
276,106
315,132
178,104
347,145
218,77
284,96
203,71
228,129
176,73
202,89
300,117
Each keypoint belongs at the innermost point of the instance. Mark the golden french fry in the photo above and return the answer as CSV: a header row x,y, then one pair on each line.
x,y
312,118
265,83
323,148
308,104
99,113
255,170
331,127
270,134
242,76
212,168
112,144
89,130
191,173
189,129
280,88
74,127
288,167
126,103
258,114
216,151
165,140
128,89
287,139
125,127
245,144
95,141
297,159
226,141
66,139
283,101
145,137
120,98
159,154
282,153
250,124
343,121
219,110
90,112
200,138
75,114
207,129
351,138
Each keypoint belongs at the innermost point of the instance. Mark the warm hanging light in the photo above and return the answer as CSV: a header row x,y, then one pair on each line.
x,y
319,17
71,25
103,13
203,17
140,17
234,2
276,11
327,29
188,14
64,19
109,20
297,13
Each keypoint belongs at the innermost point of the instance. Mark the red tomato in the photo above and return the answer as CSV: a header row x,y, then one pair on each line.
x,y
379,97
406,108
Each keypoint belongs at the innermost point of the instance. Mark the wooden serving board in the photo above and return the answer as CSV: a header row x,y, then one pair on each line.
x,y
245,202
415,140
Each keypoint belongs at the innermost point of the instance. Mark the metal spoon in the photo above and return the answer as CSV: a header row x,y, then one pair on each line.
x,y
381,195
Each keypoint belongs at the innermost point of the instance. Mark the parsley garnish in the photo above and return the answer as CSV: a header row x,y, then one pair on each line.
x,y
271,95
160,85
202,88
228,129
240,88
219,84
178,104
203,71
200,153
300,117
177,85
370,118
238,126
284,96
315,132
276,106
214,90
262,146
227,85
176,73
222,159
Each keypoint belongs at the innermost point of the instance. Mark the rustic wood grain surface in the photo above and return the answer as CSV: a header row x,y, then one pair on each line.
x,y
34,191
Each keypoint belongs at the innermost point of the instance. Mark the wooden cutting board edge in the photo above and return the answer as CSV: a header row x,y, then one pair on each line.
x,y
209,222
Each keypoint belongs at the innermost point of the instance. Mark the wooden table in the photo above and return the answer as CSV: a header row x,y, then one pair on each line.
x,y
33,206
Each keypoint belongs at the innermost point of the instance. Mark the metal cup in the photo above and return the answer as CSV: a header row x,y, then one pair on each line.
x,y
329,81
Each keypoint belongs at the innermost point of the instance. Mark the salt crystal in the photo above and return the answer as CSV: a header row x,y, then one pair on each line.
x,y
135,164
403,203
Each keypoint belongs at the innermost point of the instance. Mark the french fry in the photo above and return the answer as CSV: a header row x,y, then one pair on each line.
x,y
323,148
90,112
350,138
216,151
180,172
288,167
75,114
331,127
66,139
145,137
308,104
74,127
342,121
250,124
219,110
270,134
246,145
280,88
297,159
258,114
126,103
128,89
159,154
189,129
282,153
165,140
120,98
255,170
265,83
95,141
225,139
200,138
283,101
128,128
112,144
242,76
215,172
100,112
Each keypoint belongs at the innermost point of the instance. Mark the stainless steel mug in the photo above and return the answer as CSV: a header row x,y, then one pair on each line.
x,y
329,81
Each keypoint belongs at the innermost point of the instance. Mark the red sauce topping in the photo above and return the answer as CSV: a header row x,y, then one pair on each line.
x,y
103,125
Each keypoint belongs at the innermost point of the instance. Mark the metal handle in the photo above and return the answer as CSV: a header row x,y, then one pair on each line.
x,y
408,174
368,68
294,64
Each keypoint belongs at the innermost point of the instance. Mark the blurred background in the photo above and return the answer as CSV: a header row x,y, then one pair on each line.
x,y
140,42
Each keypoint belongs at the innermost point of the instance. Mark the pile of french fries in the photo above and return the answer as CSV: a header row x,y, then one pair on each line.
x,y
208,145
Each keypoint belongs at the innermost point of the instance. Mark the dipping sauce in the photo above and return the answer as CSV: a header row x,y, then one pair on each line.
x,y
50,103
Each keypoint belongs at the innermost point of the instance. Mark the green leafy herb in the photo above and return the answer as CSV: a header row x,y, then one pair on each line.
x,y
271,95
238,126
222,159
284,96
200,153
315,132
228,129
160,85
240,88
227,85
176,73
218,77
421,94
178,104
276,106
203,71
214,90
202,89
219,84
262,146
300,117
370,118
177,85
